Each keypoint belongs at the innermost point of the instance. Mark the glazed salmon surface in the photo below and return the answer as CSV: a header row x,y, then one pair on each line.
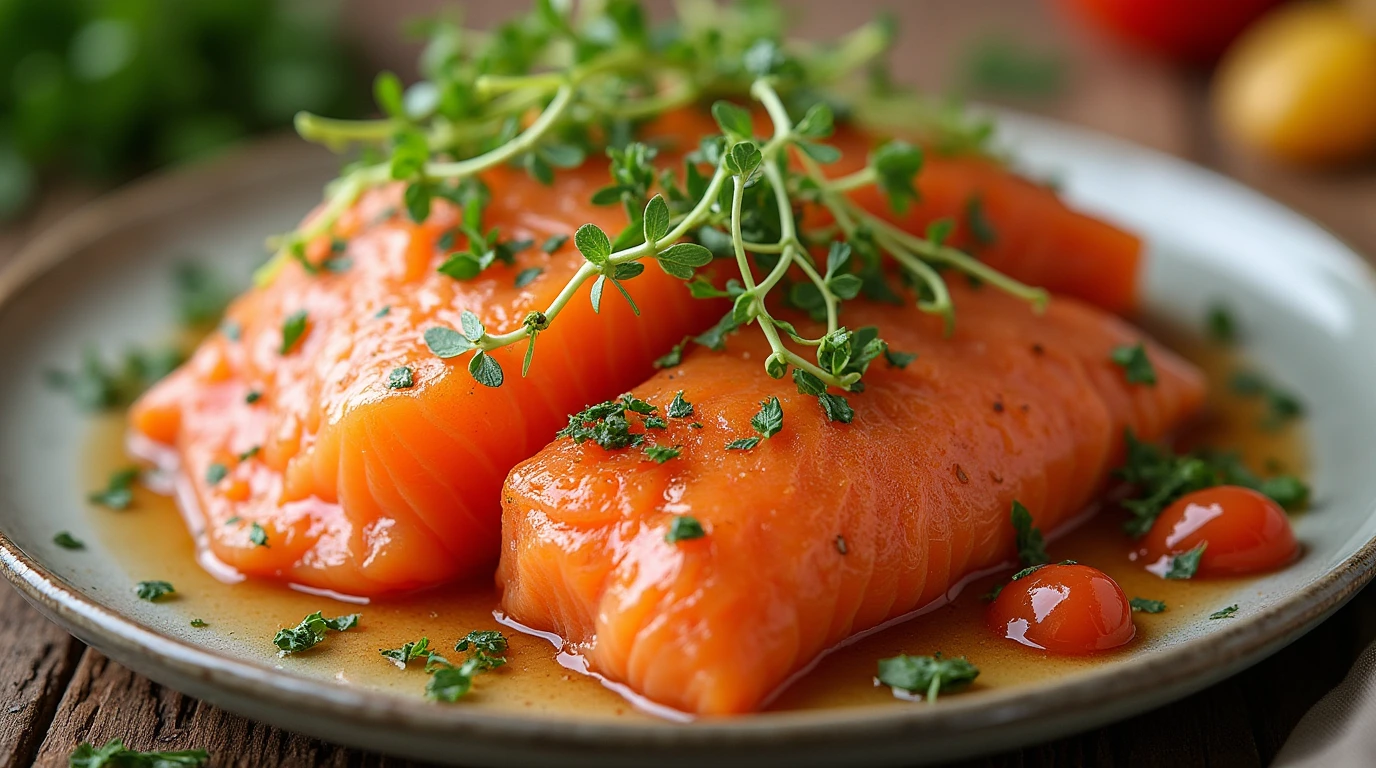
x,y
364,489
825,529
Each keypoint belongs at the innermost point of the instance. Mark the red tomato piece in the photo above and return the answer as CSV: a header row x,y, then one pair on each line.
x,y
1188,30
1246,532
1066,609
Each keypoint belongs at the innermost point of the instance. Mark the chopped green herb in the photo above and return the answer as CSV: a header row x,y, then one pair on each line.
x,y
1222,326
655,422
673,357
232,330
684,528
487,647
413,650
554,243
257,536
201,295
696,425
661,454
527,276
119,490
250,453
899,359
1031,545
770,419
253,396
1160,477
384,311
981,230
1186,564
215,473
235,520
743,443
449,684
1144,605
1225,613
311,632
836,408
292,328
152,591
400,378
97,386
115,755
1281,406
928,675
198,623
679,408
68,541
1136,367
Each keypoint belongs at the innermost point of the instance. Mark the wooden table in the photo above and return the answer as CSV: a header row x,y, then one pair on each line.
x,y
54,692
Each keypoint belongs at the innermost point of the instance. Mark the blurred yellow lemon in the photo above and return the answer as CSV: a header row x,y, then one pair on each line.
x,y
1300,85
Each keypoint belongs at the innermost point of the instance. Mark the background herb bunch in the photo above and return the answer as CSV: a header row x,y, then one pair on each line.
x,y
102,89
554,87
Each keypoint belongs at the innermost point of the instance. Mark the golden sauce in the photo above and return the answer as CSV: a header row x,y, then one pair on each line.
x,y
153,543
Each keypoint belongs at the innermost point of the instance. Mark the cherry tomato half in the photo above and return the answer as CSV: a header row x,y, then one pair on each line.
x,y
1067,609
1246,532
1190,30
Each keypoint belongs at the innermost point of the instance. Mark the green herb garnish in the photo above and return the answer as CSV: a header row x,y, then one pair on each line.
x,y
215,473
679,408
1281,405
400,378
595,77
527,276
68,541
1031,545
1221,325
1186,564
1137,369
684,528
1160,477
253,396
292,328
119,490
770,418
311,632
403,655
97,386
661,453
928,675
257,536
1144,605
115,755
201,295
152,591
743,444
199,623
1224,613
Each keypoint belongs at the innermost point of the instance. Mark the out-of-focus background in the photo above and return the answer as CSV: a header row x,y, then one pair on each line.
x,y
1280,94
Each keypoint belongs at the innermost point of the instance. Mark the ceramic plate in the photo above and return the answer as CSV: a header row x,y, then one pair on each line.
x,y
1308,303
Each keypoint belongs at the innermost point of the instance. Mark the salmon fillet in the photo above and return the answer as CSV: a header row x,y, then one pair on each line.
x,y
364,489
825,529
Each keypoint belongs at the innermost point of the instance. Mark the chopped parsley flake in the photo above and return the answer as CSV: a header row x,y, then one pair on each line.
x,y
1185,564
1031,544
1225,613
250,453
449,683
1281,405
119,490
684,528
770,419
198,623
253,396
678,407
386,310
152,591
928,675
215,473
1136,367
292,329
673,357
1144,605
311,632
257,536
661,454
96,386
68,541
743,444
606,423
114,755
403,655
400,378
898,359
527,276
1221,324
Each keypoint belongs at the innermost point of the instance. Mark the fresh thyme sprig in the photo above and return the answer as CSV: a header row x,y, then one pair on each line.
x,y
554,87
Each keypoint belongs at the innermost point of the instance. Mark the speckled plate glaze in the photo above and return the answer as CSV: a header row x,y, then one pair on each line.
x,y
1308,302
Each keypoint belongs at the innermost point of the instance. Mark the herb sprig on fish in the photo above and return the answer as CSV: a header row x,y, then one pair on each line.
x,y
554,87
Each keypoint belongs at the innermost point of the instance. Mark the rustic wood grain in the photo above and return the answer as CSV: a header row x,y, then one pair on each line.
x,y
36,660
106,701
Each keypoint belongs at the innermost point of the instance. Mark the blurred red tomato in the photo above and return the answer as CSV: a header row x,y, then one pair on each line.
x,y
1188,30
